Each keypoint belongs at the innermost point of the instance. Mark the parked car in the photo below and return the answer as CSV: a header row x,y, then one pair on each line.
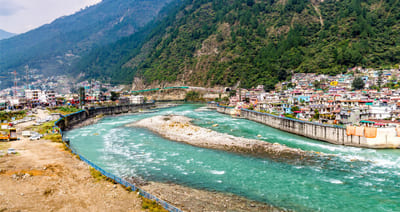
x,y
36,134
11,151
34,137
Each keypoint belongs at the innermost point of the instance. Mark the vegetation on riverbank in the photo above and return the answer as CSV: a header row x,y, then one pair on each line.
x,y
65,110
194,96
151,205
8,116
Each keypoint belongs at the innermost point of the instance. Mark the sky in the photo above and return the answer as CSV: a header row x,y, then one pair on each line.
x,y
19,16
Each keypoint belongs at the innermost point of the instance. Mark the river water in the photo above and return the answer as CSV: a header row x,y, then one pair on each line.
x,y
352,179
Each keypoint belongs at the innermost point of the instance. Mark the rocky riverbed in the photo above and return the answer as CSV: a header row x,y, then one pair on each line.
x,y
180,128
189,199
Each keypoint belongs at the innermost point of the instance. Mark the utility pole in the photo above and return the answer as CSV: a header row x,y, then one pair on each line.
x,y
15,84
27,76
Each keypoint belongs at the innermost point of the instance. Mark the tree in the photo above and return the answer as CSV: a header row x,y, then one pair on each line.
x,y
295,108
82,96
316,114
232,93
380,73
225,99
291,85
358,83
192,96
114,96
317,84
250,3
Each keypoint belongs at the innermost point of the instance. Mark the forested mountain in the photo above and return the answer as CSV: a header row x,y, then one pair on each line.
x,y
5,34
52,48
221,42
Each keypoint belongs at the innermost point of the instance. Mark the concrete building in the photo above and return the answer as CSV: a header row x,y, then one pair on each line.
x,y
33,95
136,99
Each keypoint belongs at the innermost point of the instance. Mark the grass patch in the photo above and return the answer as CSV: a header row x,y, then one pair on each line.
x,y
97,175
64,110
46,127
66,148
151,205
54,137
9,115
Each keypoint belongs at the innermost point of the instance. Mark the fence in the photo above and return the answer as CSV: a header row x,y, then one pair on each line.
x,y
117,179
157,89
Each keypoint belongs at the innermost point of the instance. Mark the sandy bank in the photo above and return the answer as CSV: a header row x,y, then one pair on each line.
x,y
45,177
179,128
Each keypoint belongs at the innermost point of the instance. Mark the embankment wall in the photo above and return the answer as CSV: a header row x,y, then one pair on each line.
x,y
70,120
386,138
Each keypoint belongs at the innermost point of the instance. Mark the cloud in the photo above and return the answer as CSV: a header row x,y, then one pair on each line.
x,y
9,8
19,16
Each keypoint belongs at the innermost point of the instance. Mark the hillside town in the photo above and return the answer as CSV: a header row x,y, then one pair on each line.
x,y
307,96
329,99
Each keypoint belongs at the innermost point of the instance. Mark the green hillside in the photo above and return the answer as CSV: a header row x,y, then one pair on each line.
x,y
221,42
52,48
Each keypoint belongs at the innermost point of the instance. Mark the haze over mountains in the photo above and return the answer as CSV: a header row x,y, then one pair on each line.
x,y
215,42
5,34
52,48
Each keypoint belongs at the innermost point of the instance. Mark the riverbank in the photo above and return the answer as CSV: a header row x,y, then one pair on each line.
x,y
42,176
384,138
179,128
189,199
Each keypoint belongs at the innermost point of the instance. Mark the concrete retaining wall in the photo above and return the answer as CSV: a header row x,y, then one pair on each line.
x,y
72,119
328,133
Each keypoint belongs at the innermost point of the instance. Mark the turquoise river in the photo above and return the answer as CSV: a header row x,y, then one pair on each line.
x,y
352,179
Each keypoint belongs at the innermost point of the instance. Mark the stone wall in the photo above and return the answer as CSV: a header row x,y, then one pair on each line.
x,y
334,134
75,118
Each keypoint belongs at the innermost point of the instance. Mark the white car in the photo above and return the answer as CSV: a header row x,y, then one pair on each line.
x,y
34,137
11,151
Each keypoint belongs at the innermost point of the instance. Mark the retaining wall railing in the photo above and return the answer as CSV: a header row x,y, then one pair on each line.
x,y
335,134
62,125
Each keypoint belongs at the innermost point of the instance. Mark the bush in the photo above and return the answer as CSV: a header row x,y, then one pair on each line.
x,y
193,96
151,205
65,110
54,138
8,115
96,174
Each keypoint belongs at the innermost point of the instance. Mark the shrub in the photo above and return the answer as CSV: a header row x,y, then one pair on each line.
x,y
151,205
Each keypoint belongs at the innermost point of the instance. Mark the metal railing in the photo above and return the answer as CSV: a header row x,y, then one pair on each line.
x,y
286,118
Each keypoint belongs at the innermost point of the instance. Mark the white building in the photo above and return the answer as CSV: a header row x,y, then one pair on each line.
x,y
136,99
33,95
377,111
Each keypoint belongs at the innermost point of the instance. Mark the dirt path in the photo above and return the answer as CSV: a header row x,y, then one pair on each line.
x,y
44,177
321,20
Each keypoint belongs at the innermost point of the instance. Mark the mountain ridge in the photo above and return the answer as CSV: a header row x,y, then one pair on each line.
x,y
210,42
53,47
4,34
